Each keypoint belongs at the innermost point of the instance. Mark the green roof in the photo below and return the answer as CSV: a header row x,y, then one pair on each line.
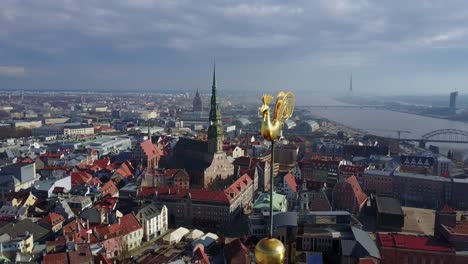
x,y
263,201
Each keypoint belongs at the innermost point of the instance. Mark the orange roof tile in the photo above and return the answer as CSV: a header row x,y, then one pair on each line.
x,y
150,150
291,181
109,188
58,258
53,219
129,223
360,195
80,177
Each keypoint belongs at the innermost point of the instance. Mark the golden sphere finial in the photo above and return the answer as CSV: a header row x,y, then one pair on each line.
x,y
269,251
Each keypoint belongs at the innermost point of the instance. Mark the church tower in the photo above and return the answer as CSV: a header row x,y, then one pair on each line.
x,y
215,130
197,103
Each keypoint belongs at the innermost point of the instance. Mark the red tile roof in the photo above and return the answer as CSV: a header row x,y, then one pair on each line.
x,y
170,172
73,227
148,191
95,181
149,149
129,223
26,160
236,248
291,181
59,258
125,170
108,231
80,177
199,255
53,219
101,258
108,203
361,197
239,185
205,195
352,168
196,194
109,188
424,243
102,163
81,255
51,155
446,208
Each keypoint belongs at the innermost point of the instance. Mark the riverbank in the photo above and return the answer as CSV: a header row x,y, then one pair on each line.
x,y
389,108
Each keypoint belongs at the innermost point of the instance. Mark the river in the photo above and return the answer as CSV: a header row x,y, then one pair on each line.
x,y
383,122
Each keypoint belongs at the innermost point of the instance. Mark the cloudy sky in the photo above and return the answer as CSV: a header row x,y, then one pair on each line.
x,y
397,46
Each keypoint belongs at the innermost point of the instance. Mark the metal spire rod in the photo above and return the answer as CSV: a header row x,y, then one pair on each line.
x,y
271,186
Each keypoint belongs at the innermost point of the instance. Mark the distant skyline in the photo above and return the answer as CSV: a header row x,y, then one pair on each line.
x,y
390,47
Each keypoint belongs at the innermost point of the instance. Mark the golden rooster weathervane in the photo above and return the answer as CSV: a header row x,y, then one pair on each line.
x,y
270,250
284,108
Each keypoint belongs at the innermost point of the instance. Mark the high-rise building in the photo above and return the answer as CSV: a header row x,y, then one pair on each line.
x,y
197,103
453,101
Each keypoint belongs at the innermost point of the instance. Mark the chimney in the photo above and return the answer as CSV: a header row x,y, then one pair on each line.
x,y
87,223
89,238
119,220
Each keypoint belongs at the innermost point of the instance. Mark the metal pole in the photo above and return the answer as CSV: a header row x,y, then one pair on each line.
x,y
271,186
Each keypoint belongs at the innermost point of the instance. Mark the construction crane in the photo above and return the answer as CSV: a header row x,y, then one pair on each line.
x,y
399,131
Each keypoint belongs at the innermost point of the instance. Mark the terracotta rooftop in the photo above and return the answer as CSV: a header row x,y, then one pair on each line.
x,y
80,177
291,181
107,203
149,149
129,223
59,258
424,243
108,231
239,185
102,163
360,195
53,219
81,255
125,170
352,168
109,188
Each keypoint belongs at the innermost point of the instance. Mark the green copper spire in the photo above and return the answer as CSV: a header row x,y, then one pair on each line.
x,y
215,130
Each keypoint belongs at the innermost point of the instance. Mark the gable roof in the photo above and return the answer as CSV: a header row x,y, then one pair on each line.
x,y
53,219
17,229
363,238
149,211
108,231
125,170
236,248
80,177
58,258
413,242
81,255
291,181
149,149
361,197
239,185
109,188
129,223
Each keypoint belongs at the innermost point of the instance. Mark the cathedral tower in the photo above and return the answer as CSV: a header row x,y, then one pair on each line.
x,y
215,130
